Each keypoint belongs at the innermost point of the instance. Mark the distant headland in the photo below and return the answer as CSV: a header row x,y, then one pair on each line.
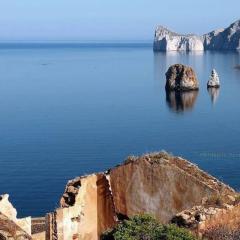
x,y
222,39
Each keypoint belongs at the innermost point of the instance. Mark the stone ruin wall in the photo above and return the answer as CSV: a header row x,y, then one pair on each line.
x,y
86,210
159,184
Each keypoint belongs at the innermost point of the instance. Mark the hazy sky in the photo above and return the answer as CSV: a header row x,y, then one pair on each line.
x,y
110,19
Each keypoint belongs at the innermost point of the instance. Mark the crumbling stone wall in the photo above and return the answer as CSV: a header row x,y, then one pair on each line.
x,y
202,220
170,188
10,230
161,185
87,210
158,183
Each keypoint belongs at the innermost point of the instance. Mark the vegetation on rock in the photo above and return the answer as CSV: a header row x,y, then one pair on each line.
x,y
145,227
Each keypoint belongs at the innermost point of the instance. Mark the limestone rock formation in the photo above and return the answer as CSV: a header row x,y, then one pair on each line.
x,y
10,226
166,40
214,80
181,78
223,39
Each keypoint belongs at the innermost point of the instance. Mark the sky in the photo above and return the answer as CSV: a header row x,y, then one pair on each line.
x,y
110,20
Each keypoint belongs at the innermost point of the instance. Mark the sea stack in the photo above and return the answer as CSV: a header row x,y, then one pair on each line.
x,y
214,81
181,78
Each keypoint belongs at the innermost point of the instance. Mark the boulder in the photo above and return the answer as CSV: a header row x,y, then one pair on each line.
x,y
181,78
214,80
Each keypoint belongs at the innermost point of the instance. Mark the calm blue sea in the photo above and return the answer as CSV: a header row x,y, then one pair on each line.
x,y
73,109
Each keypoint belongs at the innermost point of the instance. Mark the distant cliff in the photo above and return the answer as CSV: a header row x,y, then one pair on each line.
x,y
223,39
166,40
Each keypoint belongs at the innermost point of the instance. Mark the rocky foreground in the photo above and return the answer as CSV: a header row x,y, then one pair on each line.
x,y
169,188
222,39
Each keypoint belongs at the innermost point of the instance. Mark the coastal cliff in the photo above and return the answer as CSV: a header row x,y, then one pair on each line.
x,y
223,39
166,40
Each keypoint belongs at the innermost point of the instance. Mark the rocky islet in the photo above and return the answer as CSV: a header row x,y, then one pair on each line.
x,y
222,39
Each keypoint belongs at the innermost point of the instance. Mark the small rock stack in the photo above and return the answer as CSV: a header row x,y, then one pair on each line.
x,y
214,80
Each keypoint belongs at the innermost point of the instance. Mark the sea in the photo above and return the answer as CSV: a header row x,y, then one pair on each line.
x,y
70,109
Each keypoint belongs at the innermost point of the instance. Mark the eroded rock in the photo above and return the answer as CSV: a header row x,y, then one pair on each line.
x,y
181,78
222,39
203,219
166,40
10,226
214,81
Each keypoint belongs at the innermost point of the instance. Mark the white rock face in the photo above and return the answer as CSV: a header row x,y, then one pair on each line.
x,y
166,40
10,212
223,39
214,80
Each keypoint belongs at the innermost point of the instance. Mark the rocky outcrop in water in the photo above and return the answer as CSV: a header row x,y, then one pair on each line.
x,y
214,81
166,40
181,78
223,39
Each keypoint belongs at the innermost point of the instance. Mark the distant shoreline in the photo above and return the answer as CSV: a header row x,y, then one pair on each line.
x,y
16,45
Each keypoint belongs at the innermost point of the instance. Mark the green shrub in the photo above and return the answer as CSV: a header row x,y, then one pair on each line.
x,y
145,227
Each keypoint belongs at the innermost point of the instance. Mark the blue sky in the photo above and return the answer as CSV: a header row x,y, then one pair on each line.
x,y
110,20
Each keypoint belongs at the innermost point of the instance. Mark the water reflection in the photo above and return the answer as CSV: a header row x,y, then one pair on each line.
x,y
181,101
214,94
